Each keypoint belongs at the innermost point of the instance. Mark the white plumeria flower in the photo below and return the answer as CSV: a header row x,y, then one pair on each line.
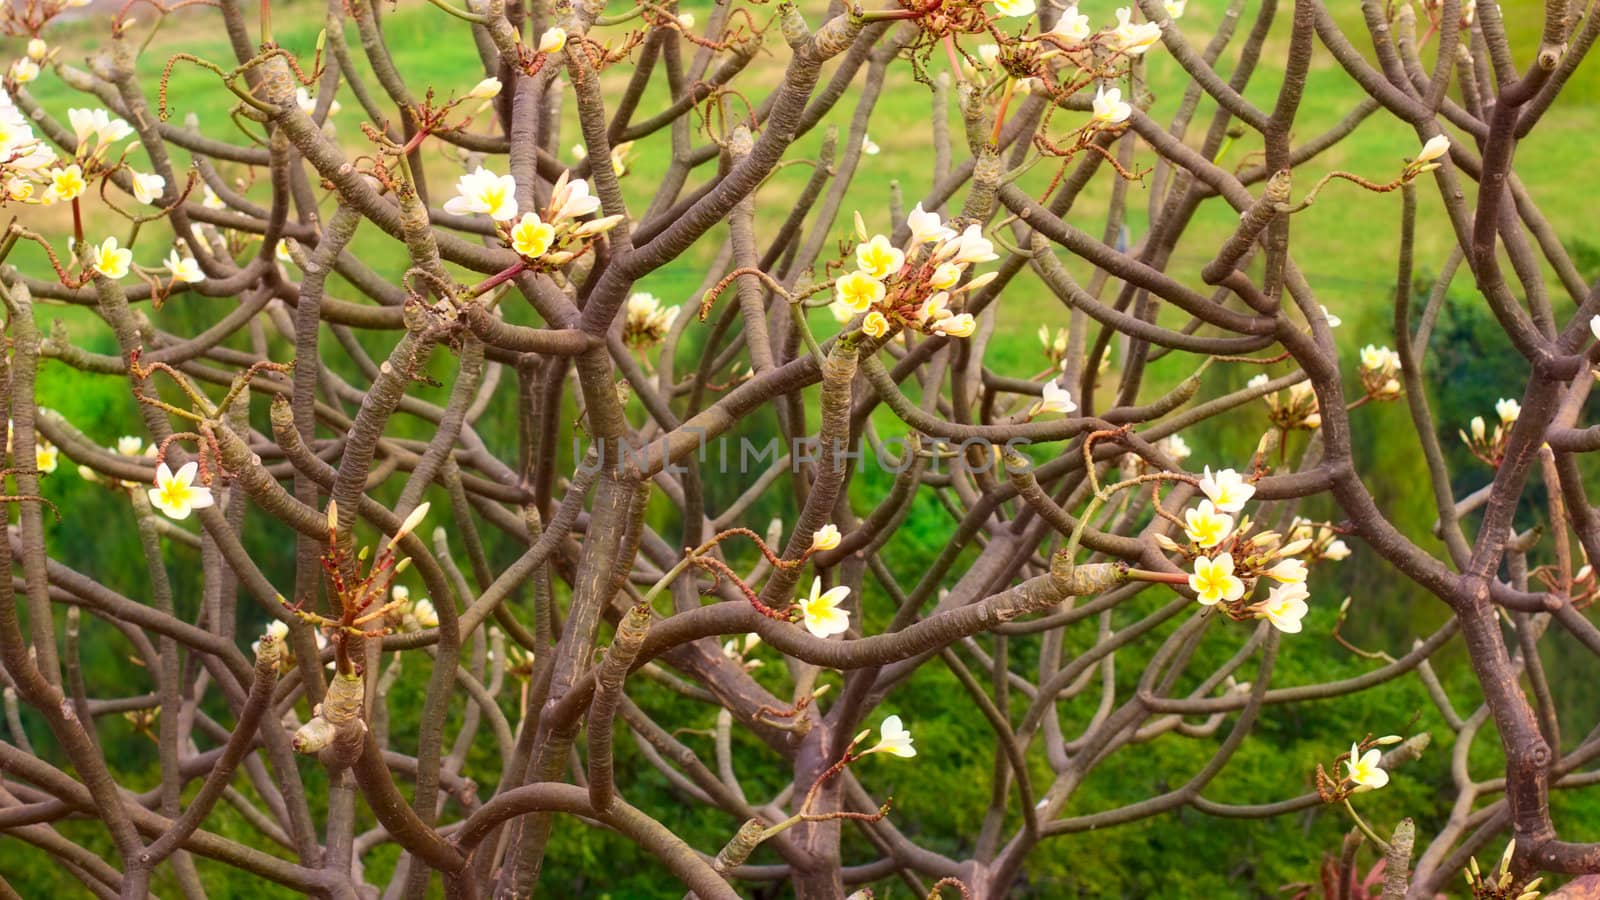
x,y
841,311
1133,38
1257,381
147,188
570,199
129,444
821,613
553,40
1285,607
972,247
210,200
65,184
184,268
869,147
1507,409
110,260
485,192
1336,551
826,538
958,326
424,612
1072,27
1178,448
37,49
686,20
926,227
1055,399
1213,580
1333,320
988,55
893,738
532,236
1594,326
879,258
24,70
1175,8
1364,769
278,630
1379,358
1227,489
97,123
1109,107
1288,571
1205,526
46,456
1015,9
858,290
945,275
1436,147
485,89
875,325
176,494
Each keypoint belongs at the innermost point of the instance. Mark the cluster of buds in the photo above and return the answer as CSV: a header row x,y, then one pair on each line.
x,y
1299,411
406,614
1230,559
1325,541
647,321
1491,447
913,286
1055,348
279,632
739,651
546,239
1469,11
1363,769
1499,883
1380,368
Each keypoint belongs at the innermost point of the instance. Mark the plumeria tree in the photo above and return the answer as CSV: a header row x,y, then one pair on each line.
x,y
492,387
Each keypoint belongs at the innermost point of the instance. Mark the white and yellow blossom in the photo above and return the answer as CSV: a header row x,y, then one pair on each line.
x,y
129,444
553,40
1109,107
1227,489
1285,607
858,290
1072,26
98,124
37,49
485,89
110,260
24,70
927,227
821,613
46,456
1054,399
1015,9
879,258
570,199
826,538
66,183
147,187
532,236
875,325
893,738
1133,38
958,326
483,191
1364,770
1213,580
184,268
176,493
1205,526
1288,571
1507,409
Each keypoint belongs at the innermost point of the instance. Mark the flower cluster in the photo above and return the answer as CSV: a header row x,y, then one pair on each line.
x,y
1362,770
1325,541
1299,410
1380,368
1229,558
1491,446
1500,883
913,286
647,321
547,239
